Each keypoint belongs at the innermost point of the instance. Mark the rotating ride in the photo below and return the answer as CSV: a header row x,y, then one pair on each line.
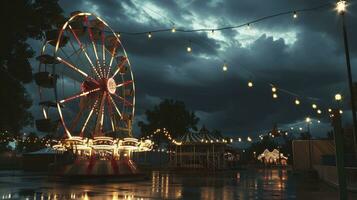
x,y
87,91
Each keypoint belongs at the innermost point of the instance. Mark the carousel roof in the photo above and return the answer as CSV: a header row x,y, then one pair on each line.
x,y
202,136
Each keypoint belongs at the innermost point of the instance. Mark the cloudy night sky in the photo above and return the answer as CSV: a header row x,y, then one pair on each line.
x,y
304,56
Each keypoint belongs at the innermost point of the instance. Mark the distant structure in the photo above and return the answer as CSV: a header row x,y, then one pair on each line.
x,y
203,150
273,158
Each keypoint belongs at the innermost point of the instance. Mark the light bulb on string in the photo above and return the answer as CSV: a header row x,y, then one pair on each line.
x,y
225,67
329,110
118,34
319,111
149,35
318,121
189,49
297,102
250,84
341,112
275,95
273,89
295,15
173,30
314,106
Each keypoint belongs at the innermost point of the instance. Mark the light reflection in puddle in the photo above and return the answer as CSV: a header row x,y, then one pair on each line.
x,y
163,185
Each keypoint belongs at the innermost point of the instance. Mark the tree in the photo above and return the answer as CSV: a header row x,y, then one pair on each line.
x,y
31,143
171,115
22,20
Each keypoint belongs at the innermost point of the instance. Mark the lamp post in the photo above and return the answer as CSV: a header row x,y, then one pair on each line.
x,y
308,121
341,9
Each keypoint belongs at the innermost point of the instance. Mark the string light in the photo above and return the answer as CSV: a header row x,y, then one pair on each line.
x,y
338,97
189,49
149,35
297,102
318,121
329,110
173,30
341,111
225,68
295,15
300,128
319,111
308,119
275,95
273,89
118,34
250,84
314,106
249,139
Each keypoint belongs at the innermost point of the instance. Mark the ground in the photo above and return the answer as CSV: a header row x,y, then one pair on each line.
x,y
245,184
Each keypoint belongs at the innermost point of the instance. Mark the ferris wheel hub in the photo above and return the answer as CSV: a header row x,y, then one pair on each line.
x,y
111,86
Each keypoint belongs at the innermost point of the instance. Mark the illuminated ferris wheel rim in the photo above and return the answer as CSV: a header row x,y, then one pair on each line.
x,y
104,81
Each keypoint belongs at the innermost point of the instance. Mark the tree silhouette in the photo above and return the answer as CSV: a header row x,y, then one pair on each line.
x,y
22,20
171,115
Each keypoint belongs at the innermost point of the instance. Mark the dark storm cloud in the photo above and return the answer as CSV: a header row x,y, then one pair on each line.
x,y
303,55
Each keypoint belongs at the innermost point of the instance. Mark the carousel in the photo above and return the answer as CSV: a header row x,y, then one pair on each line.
x,y
87,92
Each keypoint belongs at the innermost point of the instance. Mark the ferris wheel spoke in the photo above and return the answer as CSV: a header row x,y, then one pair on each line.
x,y
72,66
89,116
123,61
126,102
100,117
116,107
103,49
94,46
84,51
78,95
110,112
124,83
62,121
111,61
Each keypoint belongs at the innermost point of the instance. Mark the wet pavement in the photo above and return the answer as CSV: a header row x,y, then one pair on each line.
x,y
246,184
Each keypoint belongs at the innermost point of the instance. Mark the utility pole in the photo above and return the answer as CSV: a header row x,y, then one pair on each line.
x,y
339,151
341,8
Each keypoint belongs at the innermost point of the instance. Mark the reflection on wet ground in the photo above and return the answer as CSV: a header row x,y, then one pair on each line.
x,y
250,184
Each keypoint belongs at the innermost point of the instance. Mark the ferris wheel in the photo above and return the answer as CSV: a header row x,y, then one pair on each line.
x,y
85,81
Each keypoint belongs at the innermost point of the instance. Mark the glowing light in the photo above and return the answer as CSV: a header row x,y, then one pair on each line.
x,y
149,35
308,119
341,111
273,89
250,84
295,15
329,110
341,6
189,49
338,97
318,121
300,128
319,111
314,106
292,128
249,139
225,68
239,139
275,96
173,30
297,102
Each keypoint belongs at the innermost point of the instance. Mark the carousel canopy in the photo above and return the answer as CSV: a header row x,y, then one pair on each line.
x,y
202,136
